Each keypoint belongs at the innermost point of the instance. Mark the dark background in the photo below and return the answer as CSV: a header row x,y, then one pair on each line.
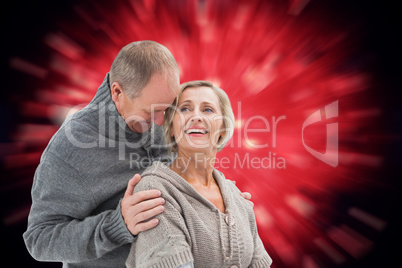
x,y
24,23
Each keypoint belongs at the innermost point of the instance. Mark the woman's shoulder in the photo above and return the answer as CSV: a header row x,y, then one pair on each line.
x,y
153,177
156,169
159,176
235,194
229,184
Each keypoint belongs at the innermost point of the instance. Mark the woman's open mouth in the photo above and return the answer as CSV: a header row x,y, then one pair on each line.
x,y
196,131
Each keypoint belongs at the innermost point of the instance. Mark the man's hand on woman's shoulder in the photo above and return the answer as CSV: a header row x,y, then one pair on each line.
x,y
246,195
137,208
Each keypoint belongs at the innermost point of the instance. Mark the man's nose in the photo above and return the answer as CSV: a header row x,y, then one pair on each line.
x,y
159,118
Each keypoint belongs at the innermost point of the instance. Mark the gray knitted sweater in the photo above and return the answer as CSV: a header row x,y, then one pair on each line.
x,y
75,216
192,229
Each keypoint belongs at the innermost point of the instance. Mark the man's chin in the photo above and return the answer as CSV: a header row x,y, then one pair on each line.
x,y
140,127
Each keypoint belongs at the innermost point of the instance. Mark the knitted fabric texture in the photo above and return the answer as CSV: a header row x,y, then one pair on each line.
x,y
75,216
192,229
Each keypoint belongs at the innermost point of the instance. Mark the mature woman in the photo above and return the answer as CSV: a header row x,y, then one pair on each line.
x,y
206,222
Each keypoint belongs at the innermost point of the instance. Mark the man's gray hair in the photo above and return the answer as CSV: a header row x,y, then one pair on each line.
x,y
136,62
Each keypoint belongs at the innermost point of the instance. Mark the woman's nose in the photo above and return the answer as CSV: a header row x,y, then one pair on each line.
x,y
196,117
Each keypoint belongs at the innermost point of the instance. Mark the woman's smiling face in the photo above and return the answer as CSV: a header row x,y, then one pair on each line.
x,y
197,123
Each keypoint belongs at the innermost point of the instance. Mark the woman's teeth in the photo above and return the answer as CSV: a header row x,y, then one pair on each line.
x,y
196,131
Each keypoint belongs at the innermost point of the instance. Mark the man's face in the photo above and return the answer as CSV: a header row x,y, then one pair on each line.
x,y
150,106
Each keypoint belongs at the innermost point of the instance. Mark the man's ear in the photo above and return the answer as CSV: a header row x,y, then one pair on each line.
x,y
117,92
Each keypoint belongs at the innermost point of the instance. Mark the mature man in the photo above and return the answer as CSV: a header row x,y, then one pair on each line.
x,y
83,212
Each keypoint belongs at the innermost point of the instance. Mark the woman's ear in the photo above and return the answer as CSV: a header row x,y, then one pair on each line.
x,y
219,140
222,133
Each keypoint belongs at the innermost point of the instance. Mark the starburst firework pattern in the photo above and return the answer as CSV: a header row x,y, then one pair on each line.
x,y
280,62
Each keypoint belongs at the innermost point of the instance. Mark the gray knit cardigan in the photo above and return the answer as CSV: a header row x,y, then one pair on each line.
x,y
192,229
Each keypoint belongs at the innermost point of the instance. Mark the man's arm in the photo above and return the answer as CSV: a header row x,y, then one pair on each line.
x,y
59,227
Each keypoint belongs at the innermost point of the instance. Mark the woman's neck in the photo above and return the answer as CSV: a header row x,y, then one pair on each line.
x,y
195,168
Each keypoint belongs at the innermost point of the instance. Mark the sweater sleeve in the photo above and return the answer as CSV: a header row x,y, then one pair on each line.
x,y
59,225
260,259
166,245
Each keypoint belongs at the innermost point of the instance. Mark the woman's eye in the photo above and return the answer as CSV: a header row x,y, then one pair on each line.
x,y
184,109
208,110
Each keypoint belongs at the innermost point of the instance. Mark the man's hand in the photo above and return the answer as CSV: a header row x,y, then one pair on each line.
x,y
137,208
246,195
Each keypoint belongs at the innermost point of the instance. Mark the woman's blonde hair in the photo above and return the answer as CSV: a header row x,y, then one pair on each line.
x,y
227,114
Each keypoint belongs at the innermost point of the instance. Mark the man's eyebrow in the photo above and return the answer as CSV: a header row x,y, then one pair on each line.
x,y
157,109
185,102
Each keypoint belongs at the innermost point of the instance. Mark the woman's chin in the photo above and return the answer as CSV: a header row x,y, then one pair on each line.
x,y
195,148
